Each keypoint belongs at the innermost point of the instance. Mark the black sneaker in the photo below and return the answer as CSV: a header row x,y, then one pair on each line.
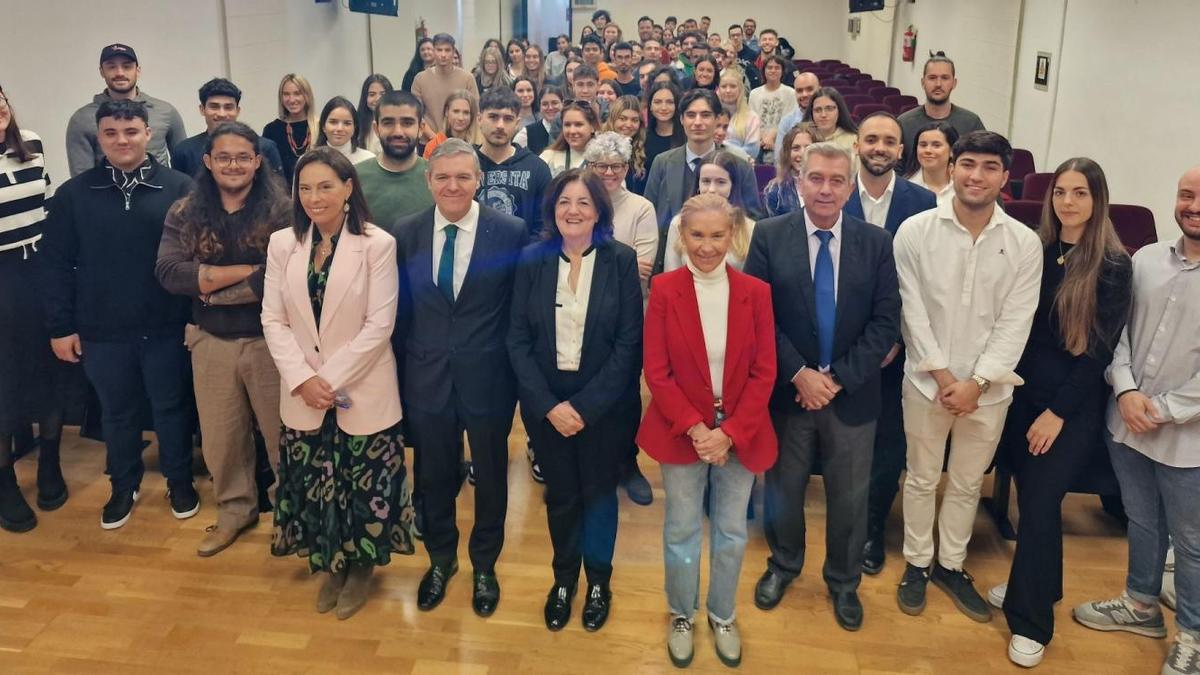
x,y
118,509
911,593
960,587
534,470
185,501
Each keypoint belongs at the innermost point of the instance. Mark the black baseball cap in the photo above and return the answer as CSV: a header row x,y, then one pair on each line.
x,y
118,49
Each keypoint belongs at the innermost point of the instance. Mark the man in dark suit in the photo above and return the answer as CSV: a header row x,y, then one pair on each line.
x,y
836,318
883,198
672,176
457,262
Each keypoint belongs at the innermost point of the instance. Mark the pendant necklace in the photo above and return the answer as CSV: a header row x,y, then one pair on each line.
x,y
1062,257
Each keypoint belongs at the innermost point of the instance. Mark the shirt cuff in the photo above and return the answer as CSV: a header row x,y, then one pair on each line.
x,y
1122,379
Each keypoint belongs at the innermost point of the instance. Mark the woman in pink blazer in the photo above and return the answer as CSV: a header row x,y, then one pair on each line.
x,y
329,305
709,359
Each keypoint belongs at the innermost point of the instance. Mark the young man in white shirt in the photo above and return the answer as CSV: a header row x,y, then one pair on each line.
x,y
969,281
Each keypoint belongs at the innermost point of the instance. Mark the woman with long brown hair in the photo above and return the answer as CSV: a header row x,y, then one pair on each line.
x,y
1050,435
625,118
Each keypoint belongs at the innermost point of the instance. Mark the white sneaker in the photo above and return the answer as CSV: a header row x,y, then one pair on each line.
x,y
1023,651
996,595
1183,658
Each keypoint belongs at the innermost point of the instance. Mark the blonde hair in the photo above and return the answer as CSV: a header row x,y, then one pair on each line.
x,y
739,225
472,130
309,100
739,117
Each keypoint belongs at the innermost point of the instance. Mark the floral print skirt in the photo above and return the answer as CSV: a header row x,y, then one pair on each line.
x,y
342,498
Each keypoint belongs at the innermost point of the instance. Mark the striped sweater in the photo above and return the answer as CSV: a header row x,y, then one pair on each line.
x,y
23,189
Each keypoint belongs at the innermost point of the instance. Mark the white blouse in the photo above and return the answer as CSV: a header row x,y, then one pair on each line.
x,y
570,310
943,195
712,298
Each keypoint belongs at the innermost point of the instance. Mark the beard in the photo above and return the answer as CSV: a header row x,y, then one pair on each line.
x,y
937,101
402,153
880,170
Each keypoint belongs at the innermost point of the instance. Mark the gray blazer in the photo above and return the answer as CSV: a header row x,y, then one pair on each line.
x,y
671,182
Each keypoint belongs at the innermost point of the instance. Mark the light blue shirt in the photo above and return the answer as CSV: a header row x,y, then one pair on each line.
x,y
785,125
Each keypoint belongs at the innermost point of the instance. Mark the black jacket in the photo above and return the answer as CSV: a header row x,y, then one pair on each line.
x,y
443,347
612,336
868,308
99,251
536,137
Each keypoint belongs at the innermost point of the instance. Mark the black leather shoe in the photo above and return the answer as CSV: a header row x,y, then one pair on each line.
x,y
558,606
873,556
432,590
636,485
769,590
847,609
486,595
595,609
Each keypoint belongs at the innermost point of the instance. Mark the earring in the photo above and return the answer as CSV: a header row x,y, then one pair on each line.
x,y
346,207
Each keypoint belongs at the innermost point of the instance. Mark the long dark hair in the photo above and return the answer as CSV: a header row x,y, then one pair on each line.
x,y
417,64
333,104
844,120
12,137
1075,301
358,215
589,114
207,229
729,163
677,136
362,126
603,229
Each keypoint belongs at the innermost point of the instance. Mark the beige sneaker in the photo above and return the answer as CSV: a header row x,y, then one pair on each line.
x,y
681,640
728,642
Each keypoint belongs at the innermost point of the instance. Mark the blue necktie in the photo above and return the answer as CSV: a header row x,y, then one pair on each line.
x,y
445,275
826,306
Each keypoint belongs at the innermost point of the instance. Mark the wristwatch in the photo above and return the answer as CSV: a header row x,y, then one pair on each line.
x,y
983,383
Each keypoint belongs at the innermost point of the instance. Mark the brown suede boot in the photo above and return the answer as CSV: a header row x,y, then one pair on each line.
x,y
354,594
327,598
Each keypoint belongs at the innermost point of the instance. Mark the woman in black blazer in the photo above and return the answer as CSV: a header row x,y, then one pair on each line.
x,y
575,342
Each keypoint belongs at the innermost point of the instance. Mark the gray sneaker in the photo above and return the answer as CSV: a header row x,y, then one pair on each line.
x,y
681,641
1121,614
728,642
1184,656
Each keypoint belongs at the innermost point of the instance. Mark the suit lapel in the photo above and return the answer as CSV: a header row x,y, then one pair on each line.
x,y
687,313
799,232
897,207
548,296
480,252
853,205
848,262
741,322
420,271
347,261
297,282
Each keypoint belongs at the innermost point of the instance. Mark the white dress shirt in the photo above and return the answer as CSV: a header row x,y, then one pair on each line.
x,y
570,310
712,299
464,243
944,195
875,211
814,247
967,305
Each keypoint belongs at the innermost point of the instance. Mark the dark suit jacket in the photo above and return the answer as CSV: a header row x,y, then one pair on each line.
x,y
907,200
671,182
457,346
868,308
536,136
612,335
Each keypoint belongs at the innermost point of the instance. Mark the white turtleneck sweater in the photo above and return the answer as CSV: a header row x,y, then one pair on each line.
x,y
355,156
712,297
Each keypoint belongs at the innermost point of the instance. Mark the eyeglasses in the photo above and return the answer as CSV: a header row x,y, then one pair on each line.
x,y
607,168
225,161
3,102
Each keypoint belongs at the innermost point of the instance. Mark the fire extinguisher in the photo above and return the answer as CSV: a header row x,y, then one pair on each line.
x,y
909,50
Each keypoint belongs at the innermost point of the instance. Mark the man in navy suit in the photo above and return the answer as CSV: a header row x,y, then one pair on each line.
x,y
883,198
836,317
457,263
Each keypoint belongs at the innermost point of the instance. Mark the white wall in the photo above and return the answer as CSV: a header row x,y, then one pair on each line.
x,y
814,27
1128,98
871,50
51,63
981,38
1033,108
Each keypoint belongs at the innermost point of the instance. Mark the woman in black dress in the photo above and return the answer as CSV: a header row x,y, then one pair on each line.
x,y
1053,428
575,343
295,131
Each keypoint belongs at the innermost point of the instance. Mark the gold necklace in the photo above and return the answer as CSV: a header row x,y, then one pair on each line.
x,y
1062,257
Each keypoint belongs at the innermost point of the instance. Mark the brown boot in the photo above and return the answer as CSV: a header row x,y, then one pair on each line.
x,y
220,537
327,598
354,595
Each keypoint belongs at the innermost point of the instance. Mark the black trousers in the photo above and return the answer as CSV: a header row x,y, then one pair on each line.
x,y
1035,581
437,453
891,450
581,475
845,455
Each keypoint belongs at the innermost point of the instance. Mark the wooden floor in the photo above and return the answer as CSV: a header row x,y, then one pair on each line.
x,y
77,599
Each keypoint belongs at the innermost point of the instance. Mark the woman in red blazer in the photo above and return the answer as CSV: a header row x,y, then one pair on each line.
x,y
710,366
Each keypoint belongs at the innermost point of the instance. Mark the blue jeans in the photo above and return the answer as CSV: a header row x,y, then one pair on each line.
x,y
124,374
729,493
1161,500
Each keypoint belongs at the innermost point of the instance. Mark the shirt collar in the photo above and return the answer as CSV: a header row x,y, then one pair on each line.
x,y
1177,252
811,228
467,223
945,211
691,156
864,195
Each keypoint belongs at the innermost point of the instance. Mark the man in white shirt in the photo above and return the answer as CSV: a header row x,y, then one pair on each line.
x,y
970,276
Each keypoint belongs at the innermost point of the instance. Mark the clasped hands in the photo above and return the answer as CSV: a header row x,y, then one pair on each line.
x,y
814,389
316,393
711,445
566,420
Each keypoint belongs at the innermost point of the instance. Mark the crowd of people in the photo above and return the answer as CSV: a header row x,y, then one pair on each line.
x,y
545,233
